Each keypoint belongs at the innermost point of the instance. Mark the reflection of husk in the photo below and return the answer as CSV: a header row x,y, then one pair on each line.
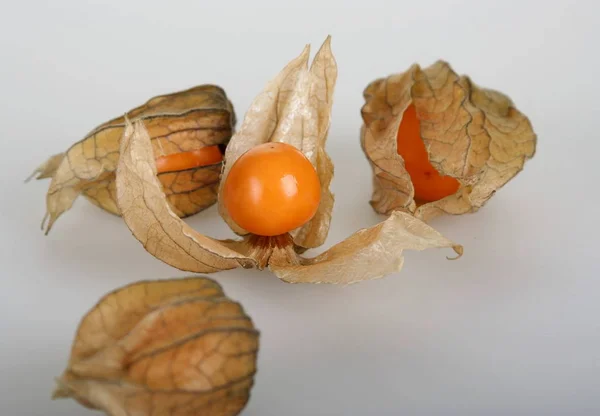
x,y
152,347
473,134
179,122
294,108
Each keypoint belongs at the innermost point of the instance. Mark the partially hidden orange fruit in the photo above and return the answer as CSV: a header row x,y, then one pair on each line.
x,y
429,185
205,156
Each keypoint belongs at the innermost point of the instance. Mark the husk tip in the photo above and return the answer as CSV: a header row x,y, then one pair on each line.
x,y
459,250
61,391
33,175
47,222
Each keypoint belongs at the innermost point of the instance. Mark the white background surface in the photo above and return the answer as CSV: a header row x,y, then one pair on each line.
x,y
511,328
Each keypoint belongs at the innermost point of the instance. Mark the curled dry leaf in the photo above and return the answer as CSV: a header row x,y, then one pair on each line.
x,y
438,143
173,347
185,128
294,109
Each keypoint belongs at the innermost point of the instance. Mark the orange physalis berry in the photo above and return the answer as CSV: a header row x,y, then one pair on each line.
x,y
429,185
271,189
206,156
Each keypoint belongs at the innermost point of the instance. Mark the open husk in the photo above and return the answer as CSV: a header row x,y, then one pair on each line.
x,y
473,134
294,108
173,347
180,122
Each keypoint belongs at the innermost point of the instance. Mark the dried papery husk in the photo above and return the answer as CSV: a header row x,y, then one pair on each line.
x,y
171,347
180,122
284,112
294,108
473,134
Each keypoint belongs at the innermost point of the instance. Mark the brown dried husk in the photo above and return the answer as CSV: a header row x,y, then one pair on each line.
x,y
176,347
294,108
178,122
473,134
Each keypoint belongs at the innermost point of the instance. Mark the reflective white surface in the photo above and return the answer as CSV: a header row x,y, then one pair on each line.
x,y
511,328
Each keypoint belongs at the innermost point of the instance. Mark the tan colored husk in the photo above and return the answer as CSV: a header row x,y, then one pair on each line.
x,y
177,347
473,134
294,108
179,122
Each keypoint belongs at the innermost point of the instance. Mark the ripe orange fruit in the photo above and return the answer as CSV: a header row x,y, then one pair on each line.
x,y
271,190
428,183
187,160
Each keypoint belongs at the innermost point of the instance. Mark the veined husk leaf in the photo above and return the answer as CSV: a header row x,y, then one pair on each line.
x,y
294,108
179,122
177,347
473,134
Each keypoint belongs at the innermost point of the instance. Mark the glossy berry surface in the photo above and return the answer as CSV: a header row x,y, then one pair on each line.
x,y
271,189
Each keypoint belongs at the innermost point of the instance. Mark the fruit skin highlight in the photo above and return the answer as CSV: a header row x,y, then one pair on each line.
x,y
272,189
429,185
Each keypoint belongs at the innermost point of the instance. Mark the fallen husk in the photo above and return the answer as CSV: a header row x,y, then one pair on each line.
x,y
294,108
184,121
171,347
473,134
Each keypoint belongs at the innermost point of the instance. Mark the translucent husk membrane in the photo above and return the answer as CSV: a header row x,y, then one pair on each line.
x,y
294,108
184,121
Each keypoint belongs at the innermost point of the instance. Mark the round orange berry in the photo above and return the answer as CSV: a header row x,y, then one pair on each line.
x,y
271,189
